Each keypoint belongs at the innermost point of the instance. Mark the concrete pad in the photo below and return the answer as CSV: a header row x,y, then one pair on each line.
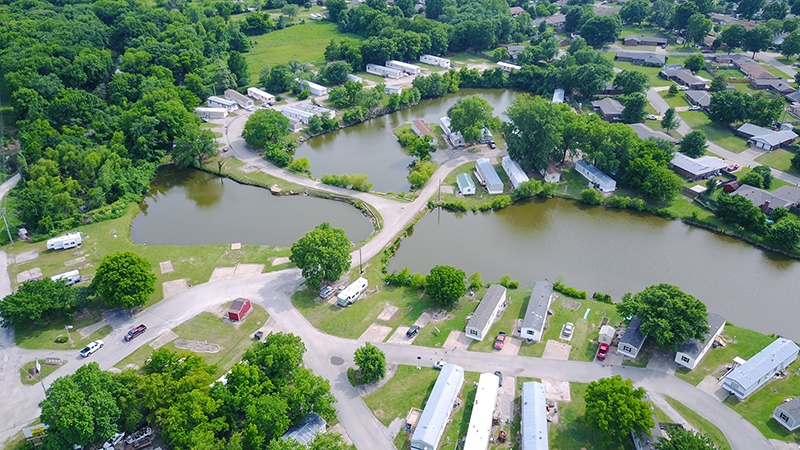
x,y
511,346
29,274
613,358
399,336
662,361
423,320
505,399
163,340
173,287
556,350
222,272
236,246
782,445
556,390
166,267
388,312
375,333
74,261
247,270
457,340
23,257
280,260
711,386
338,428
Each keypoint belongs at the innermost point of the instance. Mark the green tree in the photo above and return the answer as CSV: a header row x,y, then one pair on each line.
x,y
756,39
733,36
791,44
795,163
661,13
37,300
754,179
694,144
124,279
785,234
599,30
591,196
727,107
193,147
615,409
635,11
765,109
683,439
290,11
475,281
749,8
238,67
264,127
371,363
670,120
698,28
738,210
301,165
673,89
445,285
534,130
336,72
322,254
669,315
470,115
335,7
280,79
766,175
682,13
631,81
634,111
718,84
695,62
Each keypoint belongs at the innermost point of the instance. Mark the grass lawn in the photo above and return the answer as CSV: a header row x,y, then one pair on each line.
x,y
780,159
776,182
467,58
701,423
651,72
26,372
717,134
675,101
233,339
571,432
408,388
758,408
233,168
43,336
481,197
741,342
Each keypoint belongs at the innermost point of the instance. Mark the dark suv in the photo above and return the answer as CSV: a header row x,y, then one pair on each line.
x,y
413,331
136,331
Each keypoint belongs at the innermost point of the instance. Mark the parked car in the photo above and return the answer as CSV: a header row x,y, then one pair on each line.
x,y
438,365
651,117
695,108
500,376
135,331
413,331
683,88
492,145
112,442
326,292
258,335
91,348
500,341
602,352
568,328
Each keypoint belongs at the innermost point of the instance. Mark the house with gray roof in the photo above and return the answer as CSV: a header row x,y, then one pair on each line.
x,y
692,351
754,71
698,98
307,430
532,327
642,58
684,77
765,138
644,132
438,408
632,340
779,87
643,40
533,417
609,108
758,370
696,168
788,414
481,320
785,198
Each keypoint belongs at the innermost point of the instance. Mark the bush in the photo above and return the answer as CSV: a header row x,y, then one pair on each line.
x,y
301,165
278,157
304,94
637,204
402,278
501,202
618,201
602,297
356,181
457,205
475,281
558,286
418,280
548,190
61,340
591,197
508,283
420,173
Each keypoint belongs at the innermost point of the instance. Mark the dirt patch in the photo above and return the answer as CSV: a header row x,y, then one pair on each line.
x,y
457,340
375,333
23,257
30,274
173,287
280,260
556,390
166,267
163,340
197,346
556,350
388,312
74,261
222,272
570,304
438,315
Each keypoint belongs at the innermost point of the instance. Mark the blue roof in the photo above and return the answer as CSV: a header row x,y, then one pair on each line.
x,y
534,417
749,373
487,170
595,171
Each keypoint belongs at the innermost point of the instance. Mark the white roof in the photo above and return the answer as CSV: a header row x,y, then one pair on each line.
x,y
290,110
354,288
221,101
508,66
259,92
699,166
534,417
402,64
437,410
514,171
480,423
316,86
486,170
749,373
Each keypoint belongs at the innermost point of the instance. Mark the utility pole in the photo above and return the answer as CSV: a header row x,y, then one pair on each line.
x,y
440,190
360,269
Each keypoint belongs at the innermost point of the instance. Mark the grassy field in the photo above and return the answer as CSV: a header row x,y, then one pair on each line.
x,y
717,134
408,388
26,372
43,336
701,424
233,338
675,101
233,168
571,432
651,72
741,342
780,159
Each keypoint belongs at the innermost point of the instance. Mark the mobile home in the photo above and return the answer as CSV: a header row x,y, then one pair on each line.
x,y
355,78
297,114
404,67
211,113
558,96
351,293
242,100
261,96
316,89
316,110
515,173
508,68
455,138
488,176
71,277
382,71
69,240
390,89
219,102
435,61
465,184
596,178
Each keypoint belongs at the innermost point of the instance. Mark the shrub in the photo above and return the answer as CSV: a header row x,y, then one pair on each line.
x,y
508,283
569,291
278,157
501,202
602,297
618,201
637,204
417,280
61,339
457,205
548,190
301,165
402,278
356,181
420,173
475,281
304,94
591,197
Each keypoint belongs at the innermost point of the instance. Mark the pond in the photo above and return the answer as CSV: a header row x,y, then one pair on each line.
x,y
372,149
191,207
597,249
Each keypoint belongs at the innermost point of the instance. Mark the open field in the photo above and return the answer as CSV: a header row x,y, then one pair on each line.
x,y
780,159
717,134
675,101
571,432
408,388
701,423
43,336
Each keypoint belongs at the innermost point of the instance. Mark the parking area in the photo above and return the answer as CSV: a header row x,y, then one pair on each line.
x,y
510,347
556,350
556,390
399,336
375,333
505,399
457,340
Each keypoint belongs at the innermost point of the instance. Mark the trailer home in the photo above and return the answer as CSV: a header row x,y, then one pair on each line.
x,y
382,71
71,277
261,96
69,240
316,89
435,61
404,67
219,102
351,293
316,110
211,113
355,78
297,114
242,100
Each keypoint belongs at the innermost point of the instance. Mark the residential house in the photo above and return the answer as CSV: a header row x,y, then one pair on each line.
x,y
684,77
605,10
632,339
692,351
481,320
438,408
515,11
532,327
514,50
211,113
611,90
779,87
765,138
488,177
698,98
754,71
793,97
465,184
794,109
734,59
723,19
508,68
642,58
533,417
758,370
316,89
696,168
556,21
480,422
244,101
551,174
308,429
355,78
785,197
515,173
644,132
219,102
643,40
455,138
611,109
297,114
788,414
406,68
596,177
420,129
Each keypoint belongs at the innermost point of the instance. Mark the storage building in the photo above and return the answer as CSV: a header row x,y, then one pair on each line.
x,y
455,138
508,68
533,417
211,113
67,241
71,277
481,320
297,114
316,110
435,61
465,184
632,339
558,96
692,351
390,89
488,177
239,309
242,100
532,327
421,129
788,414
410,69
438,408
307,430
747,378
597,179
383,71
261,96
606,335
355,78
295,125
515,173
480,422
219,102
551,174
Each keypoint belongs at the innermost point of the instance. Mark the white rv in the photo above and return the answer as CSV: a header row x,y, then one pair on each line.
x,y
351,293
71,277
69,240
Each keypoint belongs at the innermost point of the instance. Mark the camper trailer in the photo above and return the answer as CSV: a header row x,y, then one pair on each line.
x,y
71,277
67,241
351,293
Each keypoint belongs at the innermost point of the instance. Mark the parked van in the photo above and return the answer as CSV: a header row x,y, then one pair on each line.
x,y
69,240
71,277
351,293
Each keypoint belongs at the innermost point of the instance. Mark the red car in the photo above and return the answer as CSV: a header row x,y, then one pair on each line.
x,y
136,331
602,352
501,339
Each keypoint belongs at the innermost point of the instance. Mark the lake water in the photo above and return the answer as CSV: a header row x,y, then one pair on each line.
x,y
191,207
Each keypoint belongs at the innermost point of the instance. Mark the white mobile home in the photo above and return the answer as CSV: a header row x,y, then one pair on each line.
x,y
261,96
404,67
480,422
438,408
488,177
515,173
71,277
508,68
69,240
533,417
435,61
455,138
316,89
465,184
383,71
481,320
316,110
596,178
788,414
308,429
242,100
219,102
351,293
532,327
389,90
355,78
692,351
297,114
211,113
747,378
558,96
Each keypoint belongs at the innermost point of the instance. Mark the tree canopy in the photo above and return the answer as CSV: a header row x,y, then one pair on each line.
x,y
669,315
445,285
470,115
694,144
371,362
614,408
322,254
683,439
124,279
38,300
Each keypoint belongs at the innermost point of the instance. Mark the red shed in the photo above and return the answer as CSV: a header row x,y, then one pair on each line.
x,y
239,309
730,186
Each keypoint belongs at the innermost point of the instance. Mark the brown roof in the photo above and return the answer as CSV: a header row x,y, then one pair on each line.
x,y
753,70
516,10
238,304
422,127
